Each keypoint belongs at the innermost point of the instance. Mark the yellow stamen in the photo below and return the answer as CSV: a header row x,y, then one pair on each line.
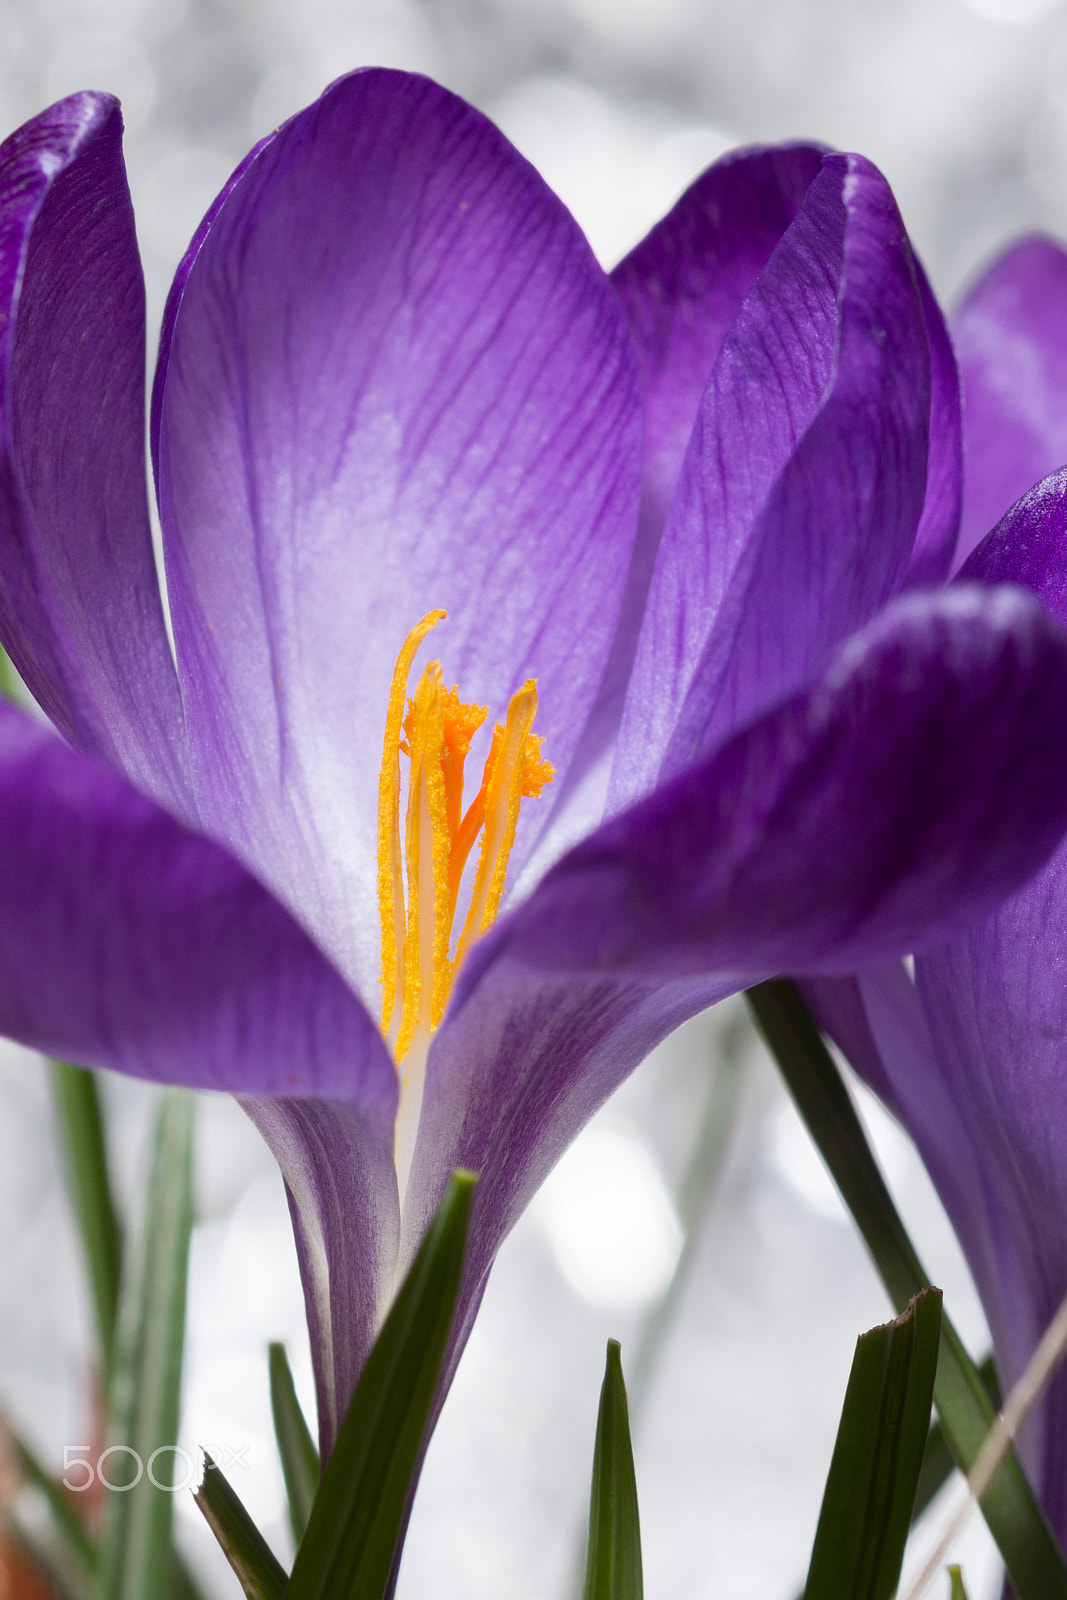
x,y
435,733
427,849
502,786
390,877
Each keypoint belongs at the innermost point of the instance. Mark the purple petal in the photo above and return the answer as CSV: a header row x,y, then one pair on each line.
x,y
397,379
341,1183
804,484
514,1073
919,783
971,1059
128,941
994,1131
984,1100
838,1008
1011,339
955,1060
681,289
80,610
1028,546
878,1019
521,1063
939,525
683,285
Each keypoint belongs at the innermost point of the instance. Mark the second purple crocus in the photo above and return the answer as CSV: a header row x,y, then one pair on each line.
x,y
971,1054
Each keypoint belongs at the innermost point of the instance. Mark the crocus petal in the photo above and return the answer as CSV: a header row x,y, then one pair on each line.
x,y
939,525
803,485
343,1198
681,288
998,1017
513,1075
970,1056
1011,340
1028,546
521,1063
922,780
878,1019
396,380
80,610
838,1008
128,941
683,285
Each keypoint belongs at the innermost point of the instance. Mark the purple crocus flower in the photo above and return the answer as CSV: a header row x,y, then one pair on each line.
x,y
669,514
971,1055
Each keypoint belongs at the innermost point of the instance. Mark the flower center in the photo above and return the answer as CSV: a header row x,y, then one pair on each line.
x,y
419,876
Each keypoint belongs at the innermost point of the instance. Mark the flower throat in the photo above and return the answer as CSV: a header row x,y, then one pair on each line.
x,y
434,731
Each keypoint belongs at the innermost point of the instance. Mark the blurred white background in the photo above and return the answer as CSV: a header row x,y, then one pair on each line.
x,y
963,103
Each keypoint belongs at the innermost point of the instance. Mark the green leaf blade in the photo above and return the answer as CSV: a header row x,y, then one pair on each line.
x,y
955,1578
1031,1553
260,1573
296,1447
939,1463
355,1525
68,1524
81,1129
135,1549
613,1564
870,1489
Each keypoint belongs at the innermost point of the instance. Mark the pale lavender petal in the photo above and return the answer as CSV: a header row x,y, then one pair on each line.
x,y
128,941
80,611
521,1063
341,1183
803,486
516,1070
913,788
396,380
1011,339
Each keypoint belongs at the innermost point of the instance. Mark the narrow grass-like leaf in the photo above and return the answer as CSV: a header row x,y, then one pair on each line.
x,y
81,1129
135,1548
613,1563
870,1488
955,1578
352,1535
73,1534
261,1574
939,1463
1031,1553
296,1447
